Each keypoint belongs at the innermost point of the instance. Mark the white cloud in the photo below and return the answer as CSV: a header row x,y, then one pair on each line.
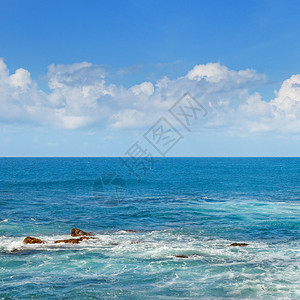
x,y
145,87
215,73
211,72
128,118
19,97
80,96
21,79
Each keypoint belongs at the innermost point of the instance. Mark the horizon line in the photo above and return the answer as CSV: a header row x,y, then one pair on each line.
x,y
153,157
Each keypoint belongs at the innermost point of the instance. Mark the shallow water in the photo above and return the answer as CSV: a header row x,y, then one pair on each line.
x,y
195,207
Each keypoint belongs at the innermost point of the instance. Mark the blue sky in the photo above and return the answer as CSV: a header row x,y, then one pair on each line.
x,y
89,78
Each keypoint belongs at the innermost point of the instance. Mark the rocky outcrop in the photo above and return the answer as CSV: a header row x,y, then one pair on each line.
x,y
75,232
74,241
78,232
68,241
238,245
32,240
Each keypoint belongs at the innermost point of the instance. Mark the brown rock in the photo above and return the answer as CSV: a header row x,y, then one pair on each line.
x,y
32,240
68,241
181,256
238,245
130,230
78,232
74,241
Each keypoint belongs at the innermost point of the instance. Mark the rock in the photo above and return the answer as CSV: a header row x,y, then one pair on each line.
x,y
78,232
181,256
32,240
130,230
68,241
238,245
74,241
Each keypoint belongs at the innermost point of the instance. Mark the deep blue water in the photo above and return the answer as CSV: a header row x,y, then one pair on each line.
x,y
194,207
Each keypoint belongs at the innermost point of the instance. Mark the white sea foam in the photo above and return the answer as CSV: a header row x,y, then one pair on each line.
x,y
253,271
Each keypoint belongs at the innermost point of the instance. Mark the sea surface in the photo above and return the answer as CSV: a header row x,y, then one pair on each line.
x,y
163,235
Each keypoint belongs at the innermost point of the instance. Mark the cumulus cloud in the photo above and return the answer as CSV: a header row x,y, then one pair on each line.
x,y
20,98
80,96
210,72
145,87
281,114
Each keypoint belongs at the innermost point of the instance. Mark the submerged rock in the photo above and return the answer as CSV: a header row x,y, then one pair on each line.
x,y
238,245
32,240
78,232
181,256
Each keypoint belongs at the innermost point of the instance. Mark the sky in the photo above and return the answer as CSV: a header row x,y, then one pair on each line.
x,y
95,78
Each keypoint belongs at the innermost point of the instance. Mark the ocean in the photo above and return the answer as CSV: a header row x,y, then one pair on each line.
x,y
165,234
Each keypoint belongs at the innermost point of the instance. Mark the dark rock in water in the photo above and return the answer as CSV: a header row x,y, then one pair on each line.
x,y
23,252
78,232
74,241
16,250
32,240
181,256
238,245
130,230
134,242
68,241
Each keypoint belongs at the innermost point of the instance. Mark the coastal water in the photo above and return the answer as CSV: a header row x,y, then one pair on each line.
x,y
163,236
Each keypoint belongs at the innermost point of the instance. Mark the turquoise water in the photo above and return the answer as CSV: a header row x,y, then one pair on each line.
x,y
194,207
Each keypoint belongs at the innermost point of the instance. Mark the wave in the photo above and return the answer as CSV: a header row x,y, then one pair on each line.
x,y
170,259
